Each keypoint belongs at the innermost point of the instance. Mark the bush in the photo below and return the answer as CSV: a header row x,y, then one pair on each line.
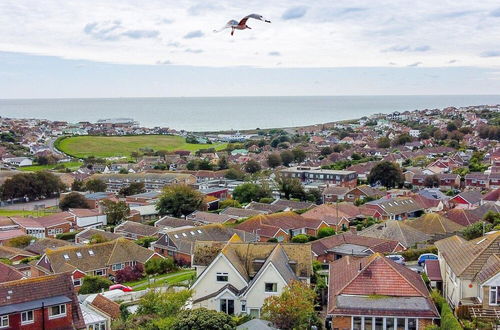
x,y
159,266
229,203
94,284
266,200
21,241
146,241
325,232
448,320
272,240
129,274
73,200
203,319
301,238
67,236
413,254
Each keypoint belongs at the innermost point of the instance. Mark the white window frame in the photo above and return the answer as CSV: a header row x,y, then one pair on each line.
x,y
26,314
395,318
100,270
77,280
61,313
4,321
494,290
222,274
117,267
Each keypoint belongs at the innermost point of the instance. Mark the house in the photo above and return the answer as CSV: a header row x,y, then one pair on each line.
x,y
264,208
18,161
146,198
87,235
377,292
47,302
15,255
397,231
289,205
470,277
449,181
236,278
134,230
361,193
396,208
492,196
341,210
239,213
334,247
39,246
207,218
281,226
476,180
9,273
85,218
99,311
170,223
435,225
146,212
102,259
467,199
47,226
334,194
317,174
94,200
7,235
179,244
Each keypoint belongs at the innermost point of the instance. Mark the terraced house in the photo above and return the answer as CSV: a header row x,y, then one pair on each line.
x,y
152,181
103,259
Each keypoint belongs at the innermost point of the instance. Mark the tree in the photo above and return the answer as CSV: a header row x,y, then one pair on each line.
x,y
252,166
20,242
78,185
300,238
492,217
293,308
234,174
223,163
132,189
179,200
95,185
73,200
286,157
146,241
326,151
314,195
229,203
274,160
32,185
325,232
203,319
299,155
431,181
163,304
115,212
387,174
205,164
451,127
94,284
384,142
290,187
159,266
476,230
247,192
129,274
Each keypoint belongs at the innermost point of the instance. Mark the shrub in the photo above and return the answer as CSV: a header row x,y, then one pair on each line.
x,y
273,240
67,236
146,241
203,319
20,241
159,266
413,254
325,232
448,320
301,238
94,284
129,274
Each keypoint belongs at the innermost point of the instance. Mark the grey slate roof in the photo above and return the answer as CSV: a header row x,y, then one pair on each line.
x,y
397,231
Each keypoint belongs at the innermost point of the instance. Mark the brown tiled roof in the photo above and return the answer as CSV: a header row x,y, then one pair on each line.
x,y
293,205
462,217
433,223
374,275
433,270
9,273
490,268
39,246
136,228
9,252
269,208
396,230
207,217
89,232
172,222
240,213
467,258
107,306
493,195
285,221
42,287
347,210
320,246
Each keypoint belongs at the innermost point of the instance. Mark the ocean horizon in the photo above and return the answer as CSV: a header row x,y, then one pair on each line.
x,y
231,113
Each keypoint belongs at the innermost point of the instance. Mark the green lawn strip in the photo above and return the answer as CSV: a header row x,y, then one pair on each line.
x,y
23,213
159,277
37,168
168,280
123,146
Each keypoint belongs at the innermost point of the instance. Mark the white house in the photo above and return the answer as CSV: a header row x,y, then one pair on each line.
x,y
414,133
236,277
89,218
18,161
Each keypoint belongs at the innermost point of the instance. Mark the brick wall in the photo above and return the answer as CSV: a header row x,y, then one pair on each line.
x,y
341,323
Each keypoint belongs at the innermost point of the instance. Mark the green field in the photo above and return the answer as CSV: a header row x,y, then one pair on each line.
x,y
24,213
123,146
36,168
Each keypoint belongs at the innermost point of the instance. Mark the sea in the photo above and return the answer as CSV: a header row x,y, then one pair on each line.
x,y
231,113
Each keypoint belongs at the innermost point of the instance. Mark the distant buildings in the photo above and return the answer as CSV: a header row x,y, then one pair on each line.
x,y
317,174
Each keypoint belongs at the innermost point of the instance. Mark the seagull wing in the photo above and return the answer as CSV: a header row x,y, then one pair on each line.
x,y
228,25
254,16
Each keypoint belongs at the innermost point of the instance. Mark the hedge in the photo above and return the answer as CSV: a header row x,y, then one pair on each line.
x,y
448,319
413,254
67,236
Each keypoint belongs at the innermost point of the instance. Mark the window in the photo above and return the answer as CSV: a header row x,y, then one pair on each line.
x,y
57,311
66,257
254,312
222,277
97,326
77,281
271,287
116,267
495,295
356,323
243,306
4,321
100,272
383,323
27,317
227,306
78,254
91,252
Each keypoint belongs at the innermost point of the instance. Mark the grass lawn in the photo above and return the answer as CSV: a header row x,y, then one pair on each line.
x,y
170,278
123,146
21,213
36,168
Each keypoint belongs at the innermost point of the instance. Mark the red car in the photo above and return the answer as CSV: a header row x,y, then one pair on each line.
x,y
122,287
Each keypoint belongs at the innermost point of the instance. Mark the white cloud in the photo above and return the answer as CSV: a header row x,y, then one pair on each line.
x,y
322,33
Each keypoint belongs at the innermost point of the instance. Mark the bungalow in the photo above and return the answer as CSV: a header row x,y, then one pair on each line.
x,y
206,218
237,277
334,194
18,161
46,302
361,193
435,225
239,213
179,244
476,180
47,226
87,235
397,231
102,259
467,199
9,273
13,254
85,218
377,292
39,246
170,223
134,230
396,208
289,205
334,247
471,270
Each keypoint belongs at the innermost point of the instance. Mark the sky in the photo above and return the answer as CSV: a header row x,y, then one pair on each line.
x,y
128,48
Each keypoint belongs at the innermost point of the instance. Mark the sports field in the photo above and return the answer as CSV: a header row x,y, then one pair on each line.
x,y
123,146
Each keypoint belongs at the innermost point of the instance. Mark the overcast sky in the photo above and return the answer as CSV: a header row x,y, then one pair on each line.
x,y
115,48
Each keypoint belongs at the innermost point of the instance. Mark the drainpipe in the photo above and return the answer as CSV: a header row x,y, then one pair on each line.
x,y
43,316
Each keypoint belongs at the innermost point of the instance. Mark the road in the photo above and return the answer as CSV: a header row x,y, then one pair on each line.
x,y
30,206
50,144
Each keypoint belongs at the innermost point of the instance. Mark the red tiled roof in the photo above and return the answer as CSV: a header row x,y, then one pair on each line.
x,y
271,223
8,273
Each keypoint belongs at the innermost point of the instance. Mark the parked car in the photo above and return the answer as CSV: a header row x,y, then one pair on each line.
x,y
122,287
397,258
426,256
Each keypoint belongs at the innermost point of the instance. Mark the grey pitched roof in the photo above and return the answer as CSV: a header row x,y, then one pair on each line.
x,y
397,231
256,324
240,213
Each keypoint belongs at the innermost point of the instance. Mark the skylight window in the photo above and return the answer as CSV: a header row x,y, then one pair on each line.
x,y
78,254
91,252
192,233
66,257
199,231
176,236
184,234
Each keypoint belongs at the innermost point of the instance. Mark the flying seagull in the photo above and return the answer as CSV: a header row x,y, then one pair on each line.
x,y
242,25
